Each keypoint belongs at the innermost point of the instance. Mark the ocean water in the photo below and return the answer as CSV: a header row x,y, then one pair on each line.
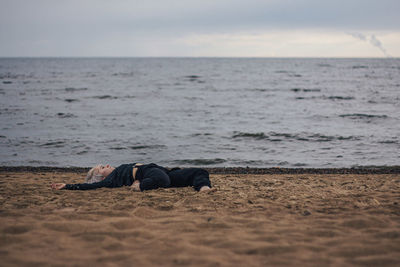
x,y
200,112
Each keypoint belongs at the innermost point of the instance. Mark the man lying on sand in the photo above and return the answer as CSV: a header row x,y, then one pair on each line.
x,y
141,177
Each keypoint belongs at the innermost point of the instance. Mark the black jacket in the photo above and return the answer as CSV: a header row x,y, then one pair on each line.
x,y
121,176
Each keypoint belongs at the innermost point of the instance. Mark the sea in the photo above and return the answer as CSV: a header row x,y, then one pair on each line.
x,y
210,112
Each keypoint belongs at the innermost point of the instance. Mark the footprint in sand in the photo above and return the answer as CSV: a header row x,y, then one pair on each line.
x,y
63,226
125,224
17,229
144,212
363,223
267,250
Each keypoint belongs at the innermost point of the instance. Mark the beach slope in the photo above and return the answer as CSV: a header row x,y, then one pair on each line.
x,y
250,220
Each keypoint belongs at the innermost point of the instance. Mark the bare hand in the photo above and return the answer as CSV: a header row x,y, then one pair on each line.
x,y
57,186
135,186
206,189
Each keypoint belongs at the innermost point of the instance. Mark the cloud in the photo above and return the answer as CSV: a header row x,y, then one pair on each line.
x,y
358,35
206,15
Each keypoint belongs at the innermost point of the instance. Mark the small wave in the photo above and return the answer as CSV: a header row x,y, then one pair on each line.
x,y
241,162
129,96
53,144
139,147
70,100
349,137
299,164
282,71
327,97
282,163
389,142
286,135
194,78
289,73
249,162
199,162
278,137
90,74
10,110
324,65
305,90
264,89
251,135
339,97
25,142
117,148
43,162
15,76
363,116
360,67
73,89
193,98
146,147
124,74
328,138
259,89
200,134
65,115
104,97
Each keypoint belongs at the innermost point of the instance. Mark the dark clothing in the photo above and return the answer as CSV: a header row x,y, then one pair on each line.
x,y
160,177
195,177
151,176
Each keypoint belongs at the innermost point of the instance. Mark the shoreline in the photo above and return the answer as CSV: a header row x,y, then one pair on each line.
x,y
231,170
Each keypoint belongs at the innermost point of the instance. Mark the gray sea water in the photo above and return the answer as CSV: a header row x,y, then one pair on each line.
x,y
200,111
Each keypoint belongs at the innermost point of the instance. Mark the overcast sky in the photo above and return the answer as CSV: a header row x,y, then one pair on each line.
x,y
221,28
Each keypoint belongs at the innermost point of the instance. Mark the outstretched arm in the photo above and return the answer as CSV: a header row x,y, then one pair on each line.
x,y
104,183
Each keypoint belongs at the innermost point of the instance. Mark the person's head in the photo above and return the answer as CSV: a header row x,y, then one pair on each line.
x,y
98,173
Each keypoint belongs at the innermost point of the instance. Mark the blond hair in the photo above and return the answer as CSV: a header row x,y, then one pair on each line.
x,y
93,176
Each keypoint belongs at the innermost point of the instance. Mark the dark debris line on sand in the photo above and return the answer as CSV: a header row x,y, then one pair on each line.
x,y
358,170
233,170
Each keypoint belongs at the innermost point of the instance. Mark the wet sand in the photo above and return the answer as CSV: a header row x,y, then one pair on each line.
x,y
276,219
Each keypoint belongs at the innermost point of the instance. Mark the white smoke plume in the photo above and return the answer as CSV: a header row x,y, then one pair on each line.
x,y
372,40
358,35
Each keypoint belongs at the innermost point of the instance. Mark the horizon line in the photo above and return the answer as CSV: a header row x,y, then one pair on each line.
x,y
195,57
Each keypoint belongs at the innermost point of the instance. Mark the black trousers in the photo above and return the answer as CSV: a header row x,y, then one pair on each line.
x,y
155,178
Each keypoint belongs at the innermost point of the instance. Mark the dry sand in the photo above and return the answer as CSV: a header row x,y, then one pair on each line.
x,y
251,220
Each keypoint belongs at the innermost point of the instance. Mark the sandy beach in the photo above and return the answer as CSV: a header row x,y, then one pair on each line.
x,y
250,220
